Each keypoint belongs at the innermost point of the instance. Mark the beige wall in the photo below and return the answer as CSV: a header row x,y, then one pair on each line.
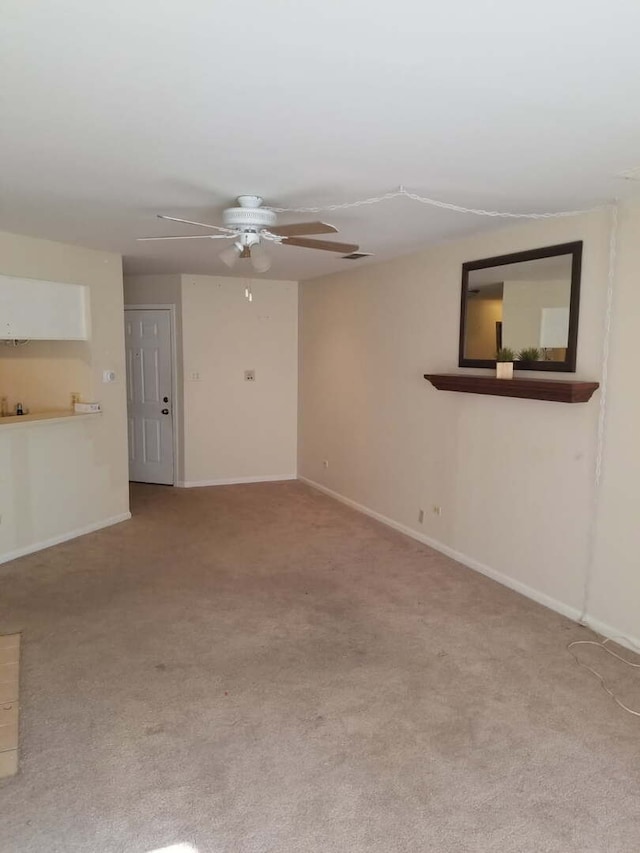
x,y
153,290
514,478
60,479
164,290
236,430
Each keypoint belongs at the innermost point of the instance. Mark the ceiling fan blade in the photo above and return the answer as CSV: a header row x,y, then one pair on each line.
x,y
326,245
190,237
299,228
191,222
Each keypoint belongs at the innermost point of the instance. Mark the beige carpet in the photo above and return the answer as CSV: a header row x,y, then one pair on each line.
x,y
257,668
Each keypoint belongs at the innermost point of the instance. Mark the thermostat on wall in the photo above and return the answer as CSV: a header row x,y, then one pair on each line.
x,y
86,408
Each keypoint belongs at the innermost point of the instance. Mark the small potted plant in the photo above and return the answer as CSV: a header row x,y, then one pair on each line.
x,y
529,355
504,363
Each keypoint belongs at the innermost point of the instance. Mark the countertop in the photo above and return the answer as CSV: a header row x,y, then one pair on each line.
x,y
44,417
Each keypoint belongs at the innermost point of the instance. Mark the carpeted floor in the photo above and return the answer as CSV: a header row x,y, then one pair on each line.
x,y
258,669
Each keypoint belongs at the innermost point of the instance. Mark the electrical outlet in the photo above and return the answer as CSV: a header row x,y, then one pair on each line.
x,y
437,510
420,516
194,376
325,463
249,376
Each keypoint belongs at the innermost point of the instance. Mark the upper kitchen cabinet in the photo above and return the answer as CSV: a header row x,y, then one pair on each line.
x,y
43,310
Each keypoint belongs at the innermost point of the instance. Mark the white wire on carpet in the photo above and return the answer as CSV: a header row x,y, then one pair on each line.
x,y
603,645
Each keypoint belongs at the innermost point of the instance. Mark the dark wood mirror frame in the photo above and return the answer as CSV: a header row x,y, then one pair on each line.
x,y
573,249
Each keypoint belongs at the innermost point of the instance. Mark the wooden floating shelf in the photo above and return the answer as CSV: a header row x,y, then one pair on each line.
x,y
557,390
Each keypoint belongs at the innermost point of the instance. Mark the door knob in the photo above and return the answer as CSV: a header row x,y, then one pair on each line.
x,y
165,411
165,399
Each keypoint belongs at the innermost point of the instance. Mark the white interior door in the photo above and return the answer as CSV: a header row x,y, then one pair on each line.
x,y
149,387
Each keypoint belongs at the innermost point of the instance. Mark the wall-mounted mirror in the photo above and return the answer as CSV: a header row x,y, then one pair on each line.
x,y
527,302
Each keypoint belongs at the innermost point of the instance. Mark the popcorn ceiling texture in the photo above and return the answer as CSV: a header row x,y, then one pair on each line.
x,y
258,668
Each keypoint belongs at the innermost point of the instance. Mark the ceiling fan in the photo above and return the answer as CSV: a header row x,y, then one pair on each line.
x,y
250,226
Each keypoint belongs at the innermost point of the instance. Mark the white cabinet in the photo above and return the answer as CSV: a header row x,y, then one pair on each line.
x,y
43,310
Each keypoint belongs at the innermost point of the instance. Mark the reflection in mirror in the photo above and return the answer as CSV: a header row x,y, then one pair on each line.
x,y
527,302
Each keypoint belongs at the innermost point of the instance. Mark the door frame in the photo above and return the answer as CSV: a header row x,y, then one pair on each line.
x,y
175,401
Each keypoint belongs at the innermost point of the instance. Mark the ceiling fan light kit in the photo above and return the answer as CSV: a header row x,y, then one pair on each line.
x,y
260,260
230,255
250,225
247,246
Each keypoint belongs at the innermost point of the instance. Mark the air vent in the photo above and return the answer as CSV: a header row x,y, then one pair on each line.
x,y
630,174
355,256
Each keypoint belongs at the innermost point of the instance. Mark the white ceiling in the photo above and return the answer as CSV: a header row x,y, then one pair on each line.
x,y
113,112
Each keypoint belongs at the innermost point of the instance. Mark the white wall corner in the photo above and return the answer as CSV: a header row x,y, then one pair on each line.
x,y
63,537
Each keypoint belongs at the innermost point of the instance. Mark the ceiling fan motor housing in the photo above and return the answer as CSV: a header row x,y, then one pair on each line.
x,y
249,216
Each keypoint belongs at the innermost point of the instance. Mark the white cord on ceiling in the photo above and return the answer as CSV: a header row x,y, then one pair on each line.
x,y
401,192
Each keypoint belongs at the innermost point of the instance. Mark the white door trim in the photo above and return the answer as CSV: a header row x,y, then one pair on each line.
x,y
177,414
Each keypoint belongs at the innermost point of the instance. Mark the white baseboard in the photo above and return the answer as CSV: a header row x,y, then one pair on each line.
x,y
572,613
232,481
605,630
63,537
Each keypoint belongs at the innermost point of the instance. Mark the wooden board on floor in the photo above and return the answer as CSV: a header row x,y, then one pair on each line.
x,y
9,679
